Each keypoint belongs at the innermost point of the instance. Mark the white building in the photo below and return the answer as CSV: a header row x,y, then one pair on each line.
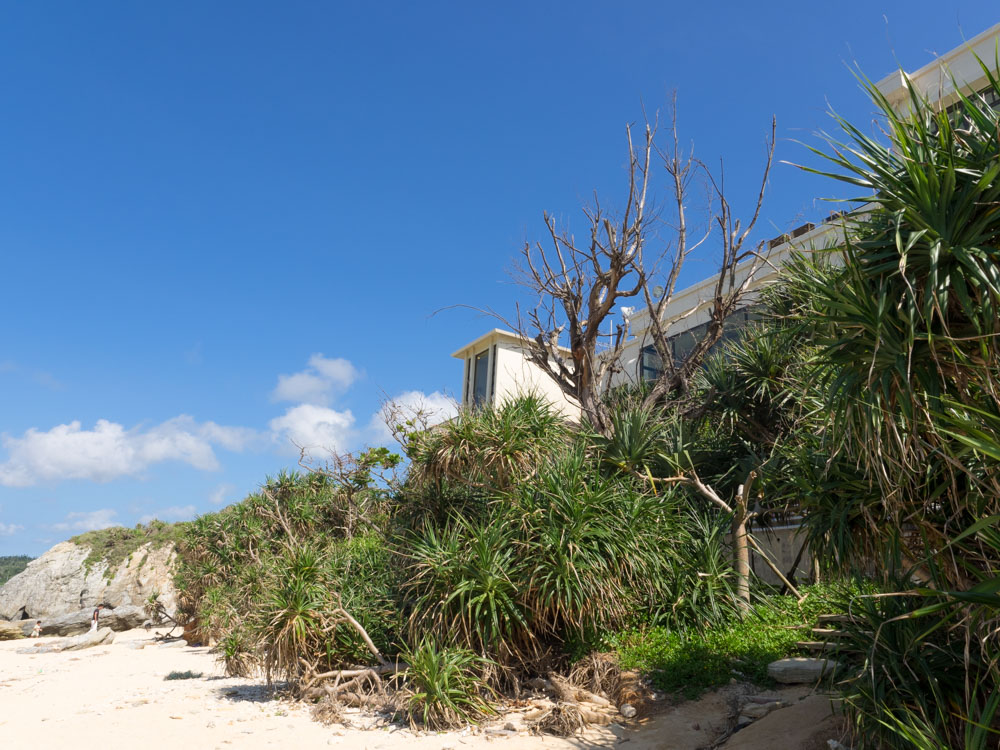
x,y
495,365
495,369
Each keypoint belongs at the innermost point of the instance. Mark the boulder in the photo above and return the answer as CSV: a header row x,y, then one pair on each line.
x,y
760,710
10,631
101,637
59,583
800,669
117,619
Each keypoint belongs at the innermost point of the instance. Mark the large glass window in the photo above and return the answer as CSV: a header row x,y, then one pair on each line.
x,y
650,364
480,378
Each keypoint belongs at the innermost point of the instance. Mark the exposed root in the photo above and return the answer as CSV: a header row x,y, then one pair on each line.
x,y
602,674
329,711
599,673
565,719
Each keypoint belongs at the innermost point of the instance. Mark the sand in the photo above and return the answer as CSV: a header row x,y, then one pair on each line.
x,y
117,694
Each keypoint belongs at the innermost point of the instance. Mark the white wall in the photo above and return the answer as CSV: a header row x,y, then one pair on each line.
x,y
515,375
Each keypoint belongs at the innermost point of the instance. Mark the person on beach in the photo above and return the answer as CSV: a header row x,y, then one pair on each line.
x,y
37,631
93,621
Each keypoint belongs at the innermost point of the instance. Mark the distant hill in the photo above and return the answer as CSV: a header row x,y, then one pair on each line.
x,y
11,566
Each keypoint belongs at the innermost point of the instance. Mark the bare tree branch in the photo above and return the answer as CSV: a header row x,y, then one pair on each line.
x,y
577,285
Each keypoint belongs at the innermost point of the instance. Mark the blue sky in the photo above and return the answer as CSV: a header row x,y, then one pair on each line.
x,y
223,225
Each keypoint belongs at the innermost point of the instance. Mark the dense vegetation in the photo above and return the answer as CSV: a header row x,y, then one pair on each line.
x,y
863,402
515,542
10,566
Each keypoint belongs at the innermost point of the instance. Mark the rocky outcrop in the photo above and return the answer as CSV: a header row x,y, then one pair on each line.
x,y
10,631
800,669
120,618
101,637
59,583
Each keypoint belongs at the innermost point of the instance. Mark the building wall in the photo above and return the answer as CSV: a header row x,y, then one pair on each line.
x,y
781,545
515,375
510,373
694,302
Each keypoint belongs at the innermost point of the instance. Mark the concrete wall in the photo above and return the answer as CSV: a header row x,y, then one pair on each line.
x,y
782,544
515,375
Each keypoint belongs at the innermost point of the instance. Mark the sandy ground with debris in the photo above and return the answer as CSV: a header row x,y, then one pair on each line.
x,y
117,694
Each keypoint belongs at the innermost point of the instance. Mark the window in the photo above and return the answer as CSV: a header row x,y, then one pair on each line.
x,y
650,364
480,378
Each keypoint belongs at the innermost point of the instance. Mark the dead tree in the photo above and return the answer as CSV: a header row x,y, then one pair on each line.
x,y
625,256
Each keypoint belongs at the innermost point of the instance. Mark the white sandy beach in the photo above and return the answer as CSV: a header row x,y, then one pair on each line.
x,y
117,694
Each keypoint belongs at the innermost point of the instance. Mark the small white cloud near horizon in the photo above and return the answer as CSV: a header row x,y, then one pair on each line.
x,y
222,494
9,529
316,429
434,407
87,520
317,383
109,451
173,513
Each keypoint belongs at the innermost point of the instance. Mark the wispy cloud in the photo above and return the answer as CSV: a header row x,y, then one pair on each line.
x,y
87,520
318,382
222,494
109,451
316,429
41,377
9,529
433,408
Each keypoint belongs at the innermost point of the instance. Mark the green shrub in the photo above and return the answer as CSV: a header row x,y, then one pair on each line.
x,y
447,688
691,661
266,576
116,544
561,556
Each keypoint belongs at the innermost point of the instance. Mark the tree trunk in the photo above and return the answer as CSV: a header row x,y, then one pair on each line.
x,y
741,558
741,547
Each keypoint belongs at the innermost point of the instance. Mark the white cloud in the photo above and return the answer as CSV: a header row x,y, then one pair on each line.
x,y
9,529
315,428
222,494
109,451
317,382
173,513
87,521
433,407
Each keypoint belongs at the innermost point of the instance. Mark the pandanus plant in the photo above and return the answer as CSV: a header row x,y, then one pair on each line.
x,y
909,337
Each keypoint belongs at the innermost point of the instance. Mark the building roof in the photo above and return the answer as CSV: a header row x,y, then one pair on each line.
x,y
488,338
934,80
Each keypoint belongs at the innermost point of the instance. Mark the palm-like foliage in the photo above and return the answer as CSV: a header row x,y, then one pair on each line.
x,y
446,687
910,325
489,448
564,555
908,336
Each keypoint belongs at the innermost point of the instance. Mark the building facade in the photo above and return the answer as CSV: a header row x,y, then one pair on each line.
x,y
495,366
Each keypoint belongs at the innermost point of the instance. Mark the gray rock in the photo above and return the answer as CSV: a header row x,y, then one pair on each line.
x,y
760,710
10,631
101,637
800,669
58,583
117,619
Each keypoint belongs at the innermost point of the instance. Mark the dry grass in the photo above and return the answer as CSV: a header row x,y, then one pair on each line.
x,y
329,711
602,674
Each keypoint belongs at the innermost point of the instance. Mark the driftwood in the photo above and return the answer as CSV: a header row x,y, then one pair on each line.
x,y
571,709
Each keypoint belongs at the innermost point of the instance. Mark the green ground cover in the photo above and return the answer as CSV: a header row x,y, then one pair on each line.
x,y
689,662
117,544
